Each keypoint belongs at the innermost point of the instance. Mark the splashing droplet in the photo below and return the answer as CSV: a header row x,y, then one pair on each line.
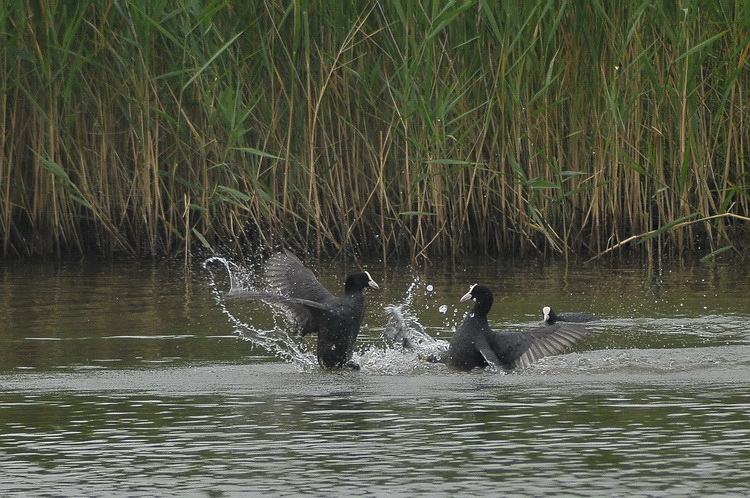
x,y
404,327
275,340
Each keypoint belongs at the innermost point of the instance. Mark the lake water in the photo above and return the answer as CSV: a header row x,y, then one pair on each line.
x,y
140,379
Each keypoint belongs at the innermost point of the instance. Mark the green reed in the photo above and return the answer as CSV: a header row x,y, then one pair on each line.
x,y
426,129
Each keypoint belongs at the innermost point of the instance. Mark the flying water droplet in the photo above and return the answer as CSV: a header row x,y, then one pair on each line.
x,y
275,340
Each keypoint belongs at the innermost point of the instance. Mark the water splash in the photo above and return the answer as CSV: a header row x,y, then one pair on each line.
x,y
394,361
404,349
404,328
276,340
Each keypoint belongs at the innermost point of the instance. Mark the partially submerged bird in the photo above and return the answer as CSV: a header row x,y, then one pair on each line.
x,y
475,344
313,309
550,317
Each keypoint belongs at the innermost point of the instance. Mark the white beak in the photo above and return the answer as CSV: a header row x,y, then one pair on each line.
x,y
468,295
371,283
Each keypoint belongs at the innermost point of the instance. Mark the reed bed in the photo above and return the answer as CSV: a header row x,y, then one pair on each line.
x,y
429,129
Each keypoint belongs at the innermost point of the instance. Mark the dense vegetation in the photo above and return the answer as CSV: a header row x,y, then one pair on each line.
x,y
427,129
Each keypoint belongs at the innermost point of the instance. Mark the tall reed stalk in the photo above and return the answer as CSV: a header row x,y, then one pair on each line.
x,y
427,129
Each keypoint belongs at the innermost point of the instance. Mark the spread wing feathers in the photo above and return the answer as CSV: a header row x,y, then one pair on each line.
x,y
301,311
524,348
287,275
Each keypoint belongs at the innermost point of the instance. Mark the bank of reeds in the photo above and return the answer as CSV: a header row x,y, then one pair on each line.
x,y
432,128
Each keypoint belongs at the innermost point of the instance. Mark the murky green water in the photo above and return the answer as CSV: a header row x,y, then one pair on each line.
x,y
134,380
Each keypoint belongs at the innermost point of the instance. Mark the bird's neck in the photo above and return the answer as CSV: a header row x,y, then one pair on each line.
x,y
482,309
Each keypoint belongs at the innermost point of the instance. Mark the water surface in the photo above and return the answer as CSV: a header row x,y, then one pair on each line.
x,y
139,379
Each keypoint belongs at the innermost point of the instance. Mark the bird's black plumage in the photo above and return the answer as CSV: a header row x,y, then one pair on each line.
x,y
551,317
313,309
475,344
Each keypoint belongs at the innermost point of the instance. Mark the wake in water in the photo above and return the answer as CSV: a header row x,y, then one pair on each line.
x,y
275,340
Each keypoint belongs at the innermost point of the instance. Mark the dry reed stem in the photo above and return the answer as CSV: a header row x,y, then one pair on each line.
x,y
420,129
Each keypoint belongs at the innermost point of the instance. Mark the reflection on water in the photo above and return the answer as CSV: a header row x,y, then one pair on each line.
x,y
134,380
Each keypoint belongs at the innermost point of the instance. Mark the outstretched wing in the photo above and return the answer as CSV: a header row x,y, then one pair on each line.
x,y
484,348
301,310
287,275
521,349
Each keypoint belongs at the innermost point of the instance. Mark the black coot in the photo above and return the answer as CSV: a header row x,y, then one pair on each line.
x,y
313,309
475,344
550,317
